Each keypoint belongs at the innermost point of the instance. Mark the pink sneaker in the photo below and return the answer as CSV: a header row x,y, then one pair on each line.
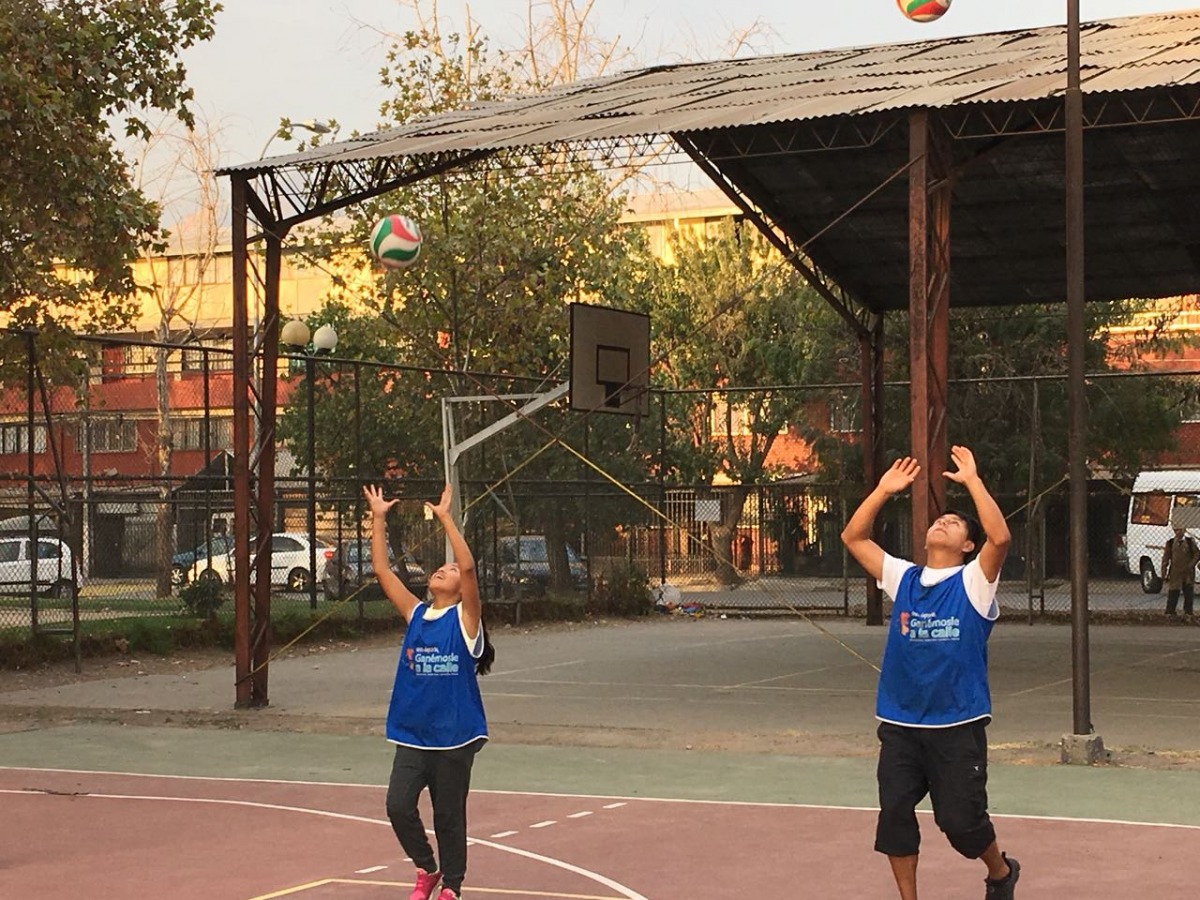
x,y
425,885
448,894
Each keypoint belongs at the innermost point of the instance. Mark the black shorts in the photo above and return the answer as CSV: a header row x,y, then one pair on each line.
x,y
948,764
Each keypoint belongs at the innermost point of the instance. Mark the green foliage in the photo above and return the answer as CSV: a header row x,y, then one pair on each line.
x,y
144,636
624,591
202,598
732,312
1011,423
510,241
68,69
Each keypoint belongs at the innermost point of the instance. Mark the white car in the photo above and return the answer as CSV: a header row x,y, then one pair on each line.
x,y
54,573
289,562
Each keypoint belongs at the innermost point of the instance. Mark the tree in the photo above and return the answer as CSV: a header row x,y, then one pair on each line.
x,y
510,241
175,164
993,406
69,69
731,313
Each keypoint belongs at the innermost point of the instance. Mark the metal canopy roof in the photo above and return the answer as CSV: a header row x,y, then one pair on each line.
x,y
814,144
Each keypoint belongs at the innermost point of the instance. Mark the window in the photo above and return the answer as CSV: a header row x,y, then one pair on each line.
x,y
281,544
1190,411
189,434
843,414
10,551
1150,509
114,435
729,419
14,438
49,550
218,361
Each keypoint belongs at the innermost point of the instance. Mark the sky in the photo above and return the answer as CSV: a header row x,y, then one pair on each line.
x,y
320,59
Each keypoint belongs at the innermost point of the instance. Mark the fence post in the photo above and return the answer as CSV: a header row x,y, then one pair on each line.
x,y
30,489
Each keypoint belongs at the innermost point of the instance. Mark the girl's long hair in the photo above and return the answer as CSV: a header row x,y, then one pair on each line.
x,y
483,664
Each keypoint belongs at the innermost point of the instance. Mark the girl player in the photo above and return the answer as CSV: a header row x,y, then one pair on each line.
x,y
436,717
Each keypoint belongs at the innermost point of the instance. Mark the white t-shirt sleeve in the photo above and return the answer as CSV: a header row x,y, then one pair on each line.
x,y
893,571
980,591
474,645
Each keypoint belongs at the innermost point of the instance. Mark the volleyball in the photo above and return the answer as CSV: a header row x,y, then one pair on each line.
x,y
923,10
396,241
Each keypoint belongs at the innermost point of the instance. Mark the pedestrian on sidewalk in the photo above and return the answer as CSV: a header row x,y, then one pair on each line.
x,y
933,703
1180,556
436,718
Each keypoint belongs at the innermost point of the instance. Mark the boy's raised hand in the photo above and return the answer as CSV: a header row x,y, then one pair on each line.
x,y
964,459
900,476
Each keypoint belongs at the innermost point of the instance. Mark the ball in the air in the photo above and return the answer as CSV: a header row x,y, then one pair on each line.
x,y
396,241
923,10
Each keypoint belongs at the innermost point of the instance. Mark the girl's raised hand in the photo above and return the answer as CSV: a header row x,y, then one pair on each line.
x,y
442,507
379,506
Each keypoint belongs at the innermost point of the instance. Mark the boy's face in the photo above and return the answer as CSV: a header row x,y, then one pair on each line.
x,y
949,531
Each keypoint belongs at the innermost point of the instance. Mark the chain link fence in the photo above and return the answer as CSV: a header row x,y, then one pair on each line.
x,y
116,493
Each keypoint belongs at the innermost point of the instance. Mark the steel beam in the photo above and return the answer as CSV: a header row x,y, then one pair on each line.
x,y
871,363
241,446
1077,402
929,197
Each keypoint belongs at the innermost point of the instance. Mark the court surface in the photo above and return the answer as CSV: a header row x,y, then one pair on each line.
x,y
657,761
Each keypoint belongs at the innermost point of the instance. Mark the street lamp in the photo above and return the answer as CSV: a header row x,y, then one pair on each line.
x,y
311,125
324,340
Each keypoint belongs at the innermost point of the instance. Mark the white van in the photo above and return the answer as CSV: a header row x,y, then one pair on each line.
x,y
1161,502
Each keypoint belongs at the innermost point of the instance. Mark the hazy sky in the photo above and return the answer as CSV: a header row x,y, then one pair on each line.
x,y
321,58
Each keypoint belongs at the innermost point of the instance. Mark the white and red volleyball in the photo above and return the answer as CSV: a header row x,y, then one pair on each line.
x,y
923,10
396,241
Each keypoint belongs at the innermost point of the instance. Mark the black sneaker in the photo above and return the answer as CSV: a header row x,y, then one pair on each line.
x,y
1003,889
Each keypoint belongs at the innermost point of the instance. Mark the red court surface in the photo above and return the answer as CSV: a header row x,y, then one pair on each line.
x,y
82,834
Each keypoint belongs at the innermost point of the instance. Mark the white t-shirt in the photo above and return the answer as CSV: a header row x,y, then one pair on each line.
x,y
980,591
475,644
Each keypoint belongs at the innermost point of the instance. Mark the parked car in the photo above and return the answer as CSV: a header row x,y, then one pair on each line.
x,y
289,562
531,569
351,567
52,572
181,563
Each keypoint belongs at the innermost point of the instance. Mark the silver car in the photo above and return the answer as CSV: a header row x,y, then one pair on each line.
x,y
50,569
289,563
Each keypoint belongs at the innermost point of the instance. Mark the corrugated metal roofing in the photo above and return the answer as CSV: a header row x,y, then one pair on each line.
x,y
846,200
1117,55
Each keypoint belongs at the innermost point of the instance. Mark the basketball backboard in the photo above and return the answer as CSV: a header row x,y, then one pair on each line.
x,y
610,360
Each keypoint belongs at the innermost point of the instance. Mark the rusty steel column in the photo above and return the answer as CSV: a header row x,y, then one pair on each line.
x,y
241,448
1077,401
929,195
264,485
871,361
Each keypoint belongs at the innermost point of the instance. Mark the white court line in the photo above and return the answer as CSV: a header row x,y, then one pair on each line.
x,y
763,804
370,870
621,889
503,834
1040,687
580,815
764,681
572,662
546,824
